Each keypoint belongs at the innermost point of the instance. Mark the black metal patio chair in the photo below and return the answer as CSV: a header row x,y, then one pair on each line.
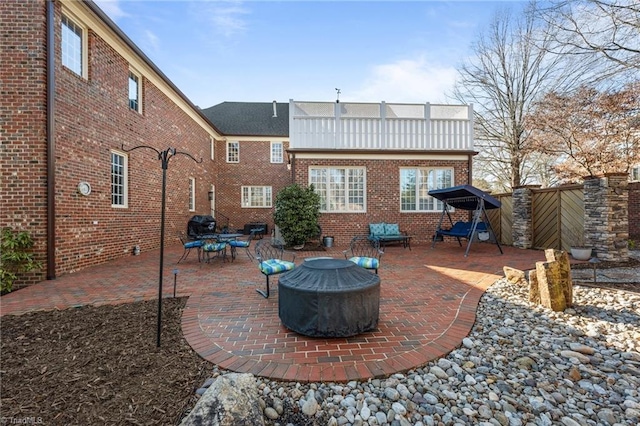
x,y
269,253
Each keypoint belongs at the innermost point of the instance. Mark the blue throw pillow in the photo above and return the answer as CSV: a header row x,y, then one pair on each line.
x,y
391,229
376,228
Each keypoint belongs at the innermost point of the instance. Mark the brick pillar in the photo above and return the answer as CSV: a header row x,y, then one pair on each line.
x,y
606,217
522,228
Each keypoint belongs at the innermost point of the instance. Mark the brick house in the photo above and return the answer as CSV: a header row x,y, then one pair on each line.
x,y
78,96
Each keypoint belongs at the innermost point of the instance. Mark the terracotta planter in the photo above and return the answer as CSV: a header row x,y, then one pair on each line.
x,y
581,253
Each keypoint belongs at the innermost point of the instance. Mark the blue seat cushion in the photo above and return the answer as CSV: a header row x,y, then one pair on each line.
x,y
391,229
366,262
275,266
193,244
376,229
234,243
214,247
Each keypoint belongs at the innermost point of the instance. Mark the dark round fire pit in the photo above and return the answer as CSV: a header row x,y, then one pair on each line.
x,y
329,298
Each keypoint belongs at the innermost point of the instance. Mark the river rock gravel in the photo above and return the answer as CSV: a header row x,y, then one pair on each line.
x,y
521,364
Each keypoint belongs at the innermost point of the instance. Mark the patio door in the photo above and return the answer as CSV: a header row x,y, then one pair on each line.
x,y
212,199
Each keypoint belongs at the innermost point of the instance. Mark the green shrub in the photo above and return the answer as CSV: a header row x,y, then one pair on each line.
x,y
297,210
15,257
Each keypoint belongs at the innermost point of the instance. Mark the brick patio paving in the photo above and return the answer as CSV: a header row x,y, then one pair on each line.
x,y
428,300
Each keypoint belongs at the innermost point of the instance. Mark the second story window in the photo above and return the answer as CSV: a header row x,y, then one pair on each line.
x,y
73,46
134,92
233,152
277,152
635,173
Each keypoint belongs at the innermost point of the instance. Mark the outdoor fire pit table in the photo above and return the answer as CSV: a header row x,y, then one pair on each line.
x,y
329,298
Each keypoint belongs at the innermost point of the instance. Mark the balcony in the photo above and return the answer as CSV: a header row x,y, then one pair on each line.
x,y
380,126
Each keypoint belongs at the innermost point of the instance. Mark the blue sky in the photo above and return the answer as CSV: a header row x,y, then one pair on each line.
x,y
259,51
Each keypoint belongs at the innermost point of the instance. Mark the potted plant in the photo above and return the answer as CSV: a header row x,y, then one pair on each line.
x,y
579,250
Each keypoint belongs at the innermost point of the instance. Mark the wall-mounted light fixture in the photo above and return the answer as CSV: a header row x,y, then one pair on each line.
x,y
210,195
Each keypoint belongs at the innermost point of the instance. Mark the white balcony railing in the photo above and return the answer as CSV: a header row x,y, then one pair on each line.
x,y
383,126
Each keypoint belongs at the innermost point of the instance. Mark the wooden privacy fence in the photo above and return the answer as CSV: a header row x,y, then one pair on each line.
x,y
557,214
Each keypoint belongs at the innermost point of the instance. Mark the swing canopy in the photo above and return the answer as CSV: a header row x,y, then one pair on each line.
x,y
470,198
465,197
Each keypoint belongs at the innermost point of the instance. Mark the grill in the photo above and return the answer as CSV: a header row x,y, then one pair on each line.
x,y
201,225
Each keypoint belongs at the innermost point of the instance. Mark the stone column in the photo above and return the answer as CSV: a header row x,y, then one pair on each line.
x,y
606,216
522,228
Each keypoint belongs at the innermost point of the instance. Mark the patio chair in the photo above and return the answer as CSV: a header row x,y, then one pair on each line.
x,y
219,248
188,245
245,244
364,252
269,253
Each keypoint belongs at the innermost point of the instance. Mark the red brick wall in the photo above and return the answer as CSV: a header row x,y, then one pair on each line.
x,y
254,169
23,117
634,211
92,117
383,199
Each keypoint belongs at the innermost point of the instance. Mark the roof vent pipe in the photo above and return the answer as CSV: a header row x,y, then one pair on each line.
x,y
275,112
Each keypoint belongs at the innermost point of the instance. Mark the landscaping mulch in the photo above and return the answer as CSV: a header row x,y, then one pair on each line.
x,y
98,365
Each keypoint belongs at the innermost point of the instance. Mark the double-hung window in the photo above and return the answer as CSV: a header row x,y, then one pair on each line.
x,y
119,179
635,173
192,194
341,190
233,152
73,45
277,152
256,196
415,185
135,92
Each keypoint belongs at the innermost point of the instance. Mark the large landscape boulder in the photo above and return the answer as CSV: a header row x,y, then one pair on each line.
x,y
232,400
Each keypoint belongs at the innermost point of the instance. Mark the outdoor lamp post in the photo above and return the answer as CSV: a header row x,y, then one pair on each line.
x,y
594,264
164,157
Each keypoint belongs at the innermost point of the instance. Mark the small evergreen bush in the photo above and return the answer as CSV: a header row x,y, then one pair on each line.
x,y
15,257
297,210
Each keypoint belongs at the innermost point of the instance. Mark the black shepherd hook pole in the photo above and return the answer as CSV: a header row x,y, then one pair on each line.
x,y
163,156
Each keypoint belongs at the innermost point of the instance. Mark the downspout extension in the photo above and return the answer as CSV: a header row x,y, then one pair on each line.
x,y
51,159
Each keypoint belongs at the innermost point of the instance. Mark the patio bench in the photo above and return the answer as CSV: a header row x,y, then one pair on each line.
x,y
386,233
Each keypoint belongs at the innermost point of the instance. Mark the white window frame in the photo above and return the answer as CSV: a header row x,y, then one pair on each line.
x,y
328,187
635,174
192,194
138,81
71,24
250,195
421,190
123,193
277,152
212,142
230,151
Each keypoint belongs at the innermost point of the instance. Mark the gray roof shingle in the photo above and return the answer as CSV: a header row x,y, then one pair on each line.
x,y
250,118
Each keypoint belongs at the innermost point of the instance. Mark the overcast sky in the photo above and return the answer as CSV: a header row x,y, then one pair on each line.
x,y
259,51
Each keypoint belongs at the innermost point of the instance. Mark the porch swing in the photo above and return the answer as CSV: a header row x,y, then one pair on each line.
x,y
470,198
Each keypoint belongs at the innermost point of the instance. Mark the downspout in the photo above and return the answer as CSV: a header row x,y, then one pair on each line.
x,y
51,159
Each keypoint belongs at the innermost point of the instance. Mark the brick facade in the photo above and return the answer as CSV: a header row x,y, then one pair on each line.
x,y
383,198
92,117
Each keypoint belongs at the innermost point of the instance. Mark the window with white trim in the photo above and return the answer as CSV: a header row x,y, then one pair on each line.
x,y
192,194
635,174
277,152
73,44
256,196
415,185
341,190
233,152
119,179
135,91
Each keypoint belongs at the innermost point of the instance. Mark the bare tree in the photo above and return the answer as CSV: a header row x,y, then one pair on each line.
x,y
593,132
609,29
513,66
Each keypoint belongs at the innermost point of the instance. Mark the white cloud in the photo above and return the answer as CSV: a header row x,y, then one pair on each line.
x,y
225,17
111,8
408,80
151,41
